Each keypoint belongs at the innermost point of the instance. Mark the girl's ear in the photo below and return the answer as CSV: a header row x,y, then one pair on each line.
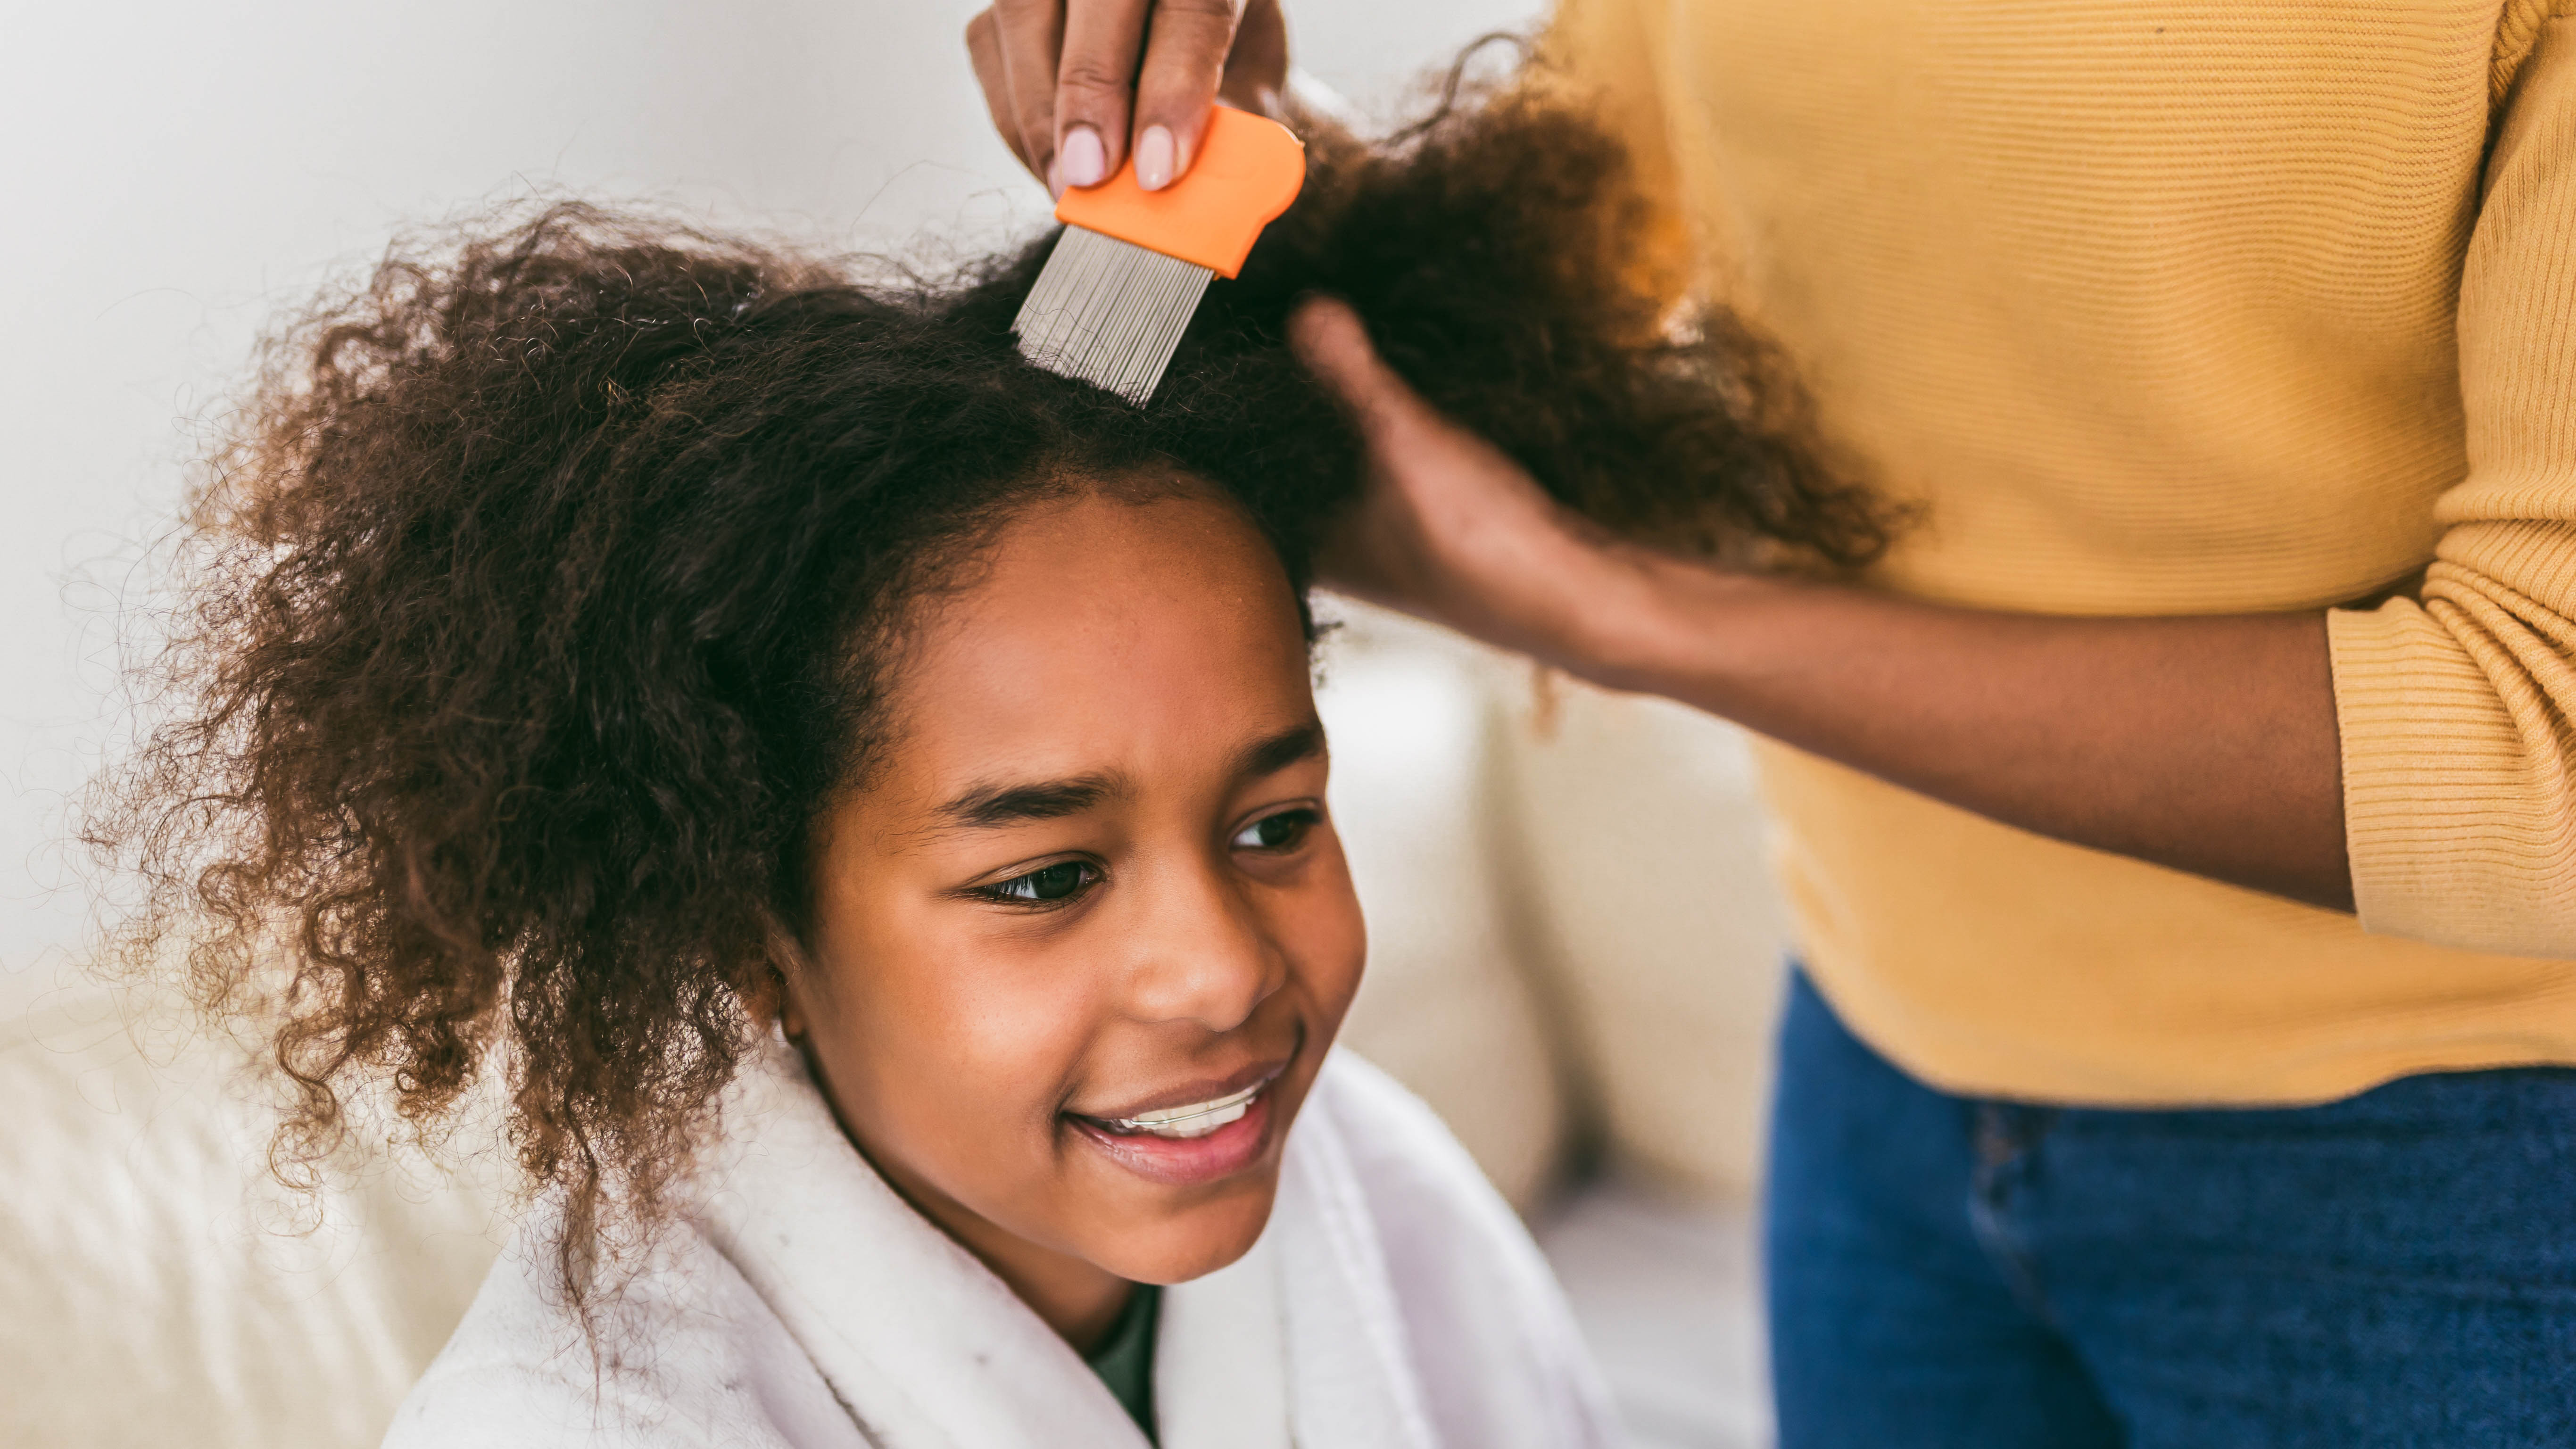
x,y
791,1017
773,1003
771,1000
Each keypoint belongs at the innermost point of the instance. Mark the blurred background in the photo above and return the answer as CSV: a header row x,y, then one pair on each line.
x,y
1575,952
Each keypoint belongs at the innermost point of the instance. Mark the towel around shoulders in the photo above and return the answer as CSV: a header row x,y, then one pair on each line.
x,y
1393,1302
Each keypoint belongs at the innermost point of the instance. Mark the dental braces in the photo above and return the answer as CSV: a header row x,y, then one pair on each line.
x,y
1223,1110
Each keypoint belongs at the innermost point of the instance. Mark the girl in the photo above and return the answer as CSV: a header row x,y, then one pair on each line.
x,y
2182,833
864,795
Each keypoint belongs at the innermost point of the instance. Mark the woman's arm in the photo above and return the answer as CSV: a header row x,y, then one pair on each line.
x,y
2204,744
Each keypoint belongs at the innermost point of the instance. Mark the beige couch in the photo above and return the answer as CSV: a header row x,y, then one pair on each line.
x,y
1572,939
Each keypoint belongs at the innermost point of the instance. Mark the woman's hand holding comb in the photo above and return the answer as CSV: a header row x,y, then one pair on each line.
x,y
1076,86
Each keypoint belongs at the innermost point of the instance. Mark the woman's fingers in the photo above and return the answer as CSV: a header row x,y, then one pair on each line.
x,y
1031,35
1447,525
1094,85
1378,551
1185,52
1256,71
984,49
1331,341
1078,86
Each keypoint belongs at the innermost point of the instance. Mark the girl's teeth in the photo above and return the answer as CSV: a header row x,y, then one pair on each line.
x,y
1198,1126
1196,1120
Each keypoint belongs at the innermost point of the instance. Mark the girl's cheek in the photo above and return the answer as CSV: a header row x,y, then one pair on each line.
x,y
1349,957
964,1071
953,1019
1015,1015
1328,939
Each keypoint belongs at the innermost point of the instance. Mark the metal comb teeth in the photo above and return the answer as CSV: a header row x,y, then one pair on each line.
x,y
1108,312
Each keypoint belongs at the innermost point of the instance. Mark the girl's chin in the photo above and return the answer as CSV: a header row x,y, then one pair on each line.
x,y
1236,1147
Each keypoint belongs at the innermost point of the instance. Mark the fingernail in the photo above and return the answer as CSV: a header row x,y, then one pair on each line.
x,y
1083,161
1055,178
1154,158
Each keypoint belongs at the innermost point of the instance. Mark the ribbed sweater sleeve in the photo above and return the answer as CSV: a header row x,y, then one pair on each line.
x,y
2458,712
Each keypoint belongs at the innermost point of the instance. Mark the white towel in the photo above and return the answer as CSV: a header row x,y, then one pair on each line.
x,y
1393,1302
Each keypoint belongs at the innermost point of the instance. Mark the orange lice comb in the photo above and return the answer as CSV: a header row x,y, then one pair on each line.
x,y
1123,281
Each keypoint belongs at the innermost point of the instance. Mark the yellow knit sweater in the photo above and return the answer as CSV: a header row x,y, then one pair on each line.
x,y
2176,308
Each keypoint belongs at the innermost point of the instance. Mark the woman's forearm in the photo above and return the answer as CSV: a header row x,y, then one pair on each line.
x,y
2205,744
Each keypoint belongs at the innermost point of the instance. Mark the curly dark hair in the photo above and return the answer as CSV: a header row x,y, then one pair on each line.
x,y
543,593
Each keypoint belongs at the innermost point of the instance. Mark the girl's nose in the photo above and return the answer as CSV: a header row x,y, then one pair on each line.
x,y
1200,954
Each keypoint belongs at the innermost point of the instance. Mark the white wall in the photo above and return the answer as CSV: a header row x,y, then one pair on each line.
x,y
173,173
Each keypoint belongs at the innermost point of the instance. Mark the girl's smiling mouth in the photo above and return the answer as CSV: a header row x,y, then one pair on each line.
x,y
1199,1134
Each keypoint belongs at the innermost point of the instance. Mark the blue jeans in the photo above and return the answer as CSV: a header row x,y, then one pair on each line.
x,y
2398,1268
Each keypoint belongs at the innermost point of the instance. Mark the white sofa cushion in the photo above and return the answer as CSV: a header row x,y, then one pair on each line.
x,y
154,1288
1643,844
1449,1006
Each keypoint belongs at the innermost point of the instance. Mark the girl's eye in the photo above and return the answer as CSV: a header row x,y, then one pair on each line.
x,y
1276,832
1045,885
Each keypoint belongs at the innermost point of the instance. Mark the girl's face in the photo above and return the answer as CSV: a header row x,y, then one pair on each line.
x,y
1080,943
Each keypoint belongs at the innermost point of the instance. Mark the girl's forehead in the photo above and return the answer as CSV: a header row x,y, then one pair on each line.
x,y
1103,637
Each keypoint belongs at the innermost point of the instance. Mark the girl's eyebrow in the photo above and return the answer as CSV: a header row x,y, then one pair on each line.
x,y
1278,752
988,807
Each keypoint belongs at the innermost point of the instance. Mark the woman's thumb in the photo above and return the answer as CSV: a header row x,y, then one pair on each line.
x,y
1330,340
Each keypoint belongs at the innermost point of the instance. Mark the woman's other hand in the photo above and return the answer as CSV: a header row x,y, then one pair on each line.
x,y
1449,528
2205,744
1076,85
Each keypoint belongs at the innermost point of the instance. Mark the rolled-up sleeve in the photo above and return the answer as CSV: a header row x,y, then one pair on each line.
x,y
2458,711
